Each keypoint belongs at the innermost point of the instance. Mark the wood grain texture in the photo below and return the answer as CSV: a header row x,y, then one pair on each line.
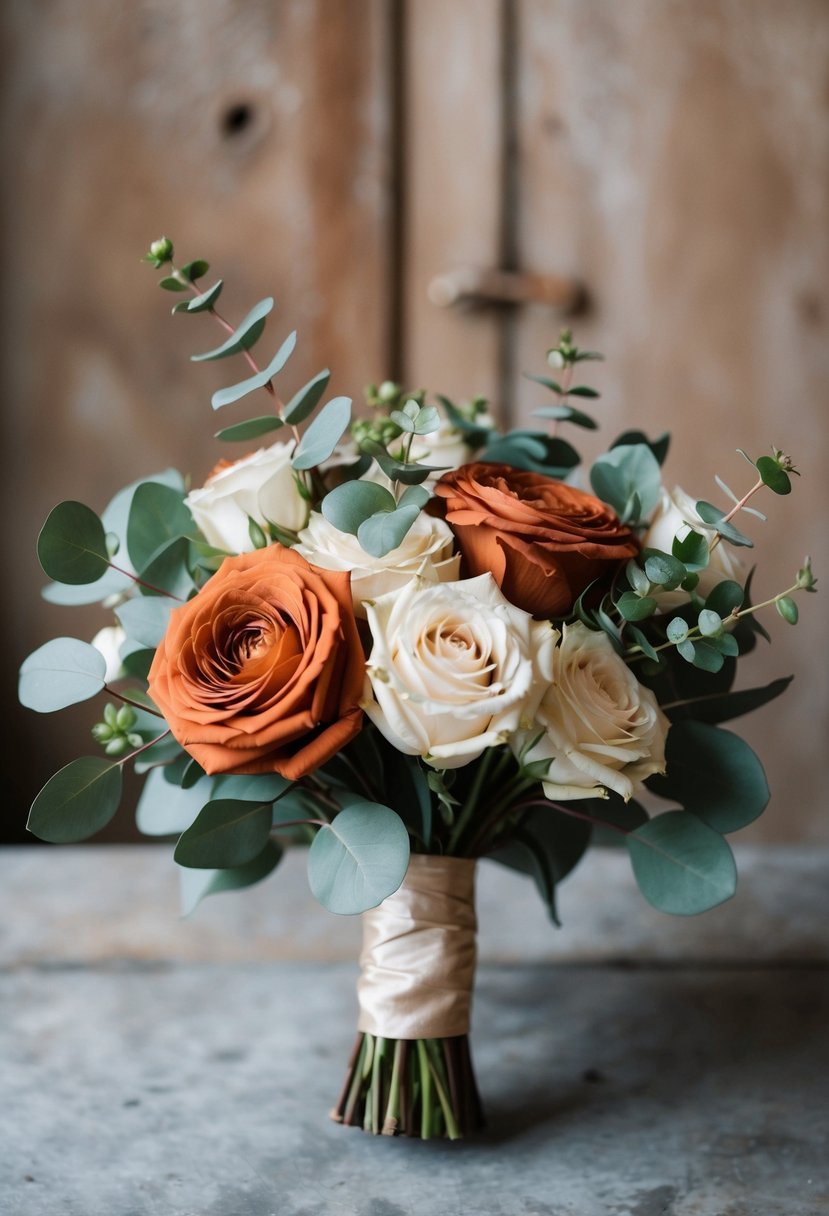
x,y
254,134
674,156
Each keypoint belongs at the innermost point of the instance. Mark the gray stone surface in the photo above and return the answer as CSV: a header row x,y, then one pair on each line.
x,y
200,1090
658,1067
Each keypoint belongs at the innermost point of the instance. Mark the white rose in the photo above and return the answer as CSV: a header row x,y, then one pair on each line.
x,y
427,549
260,486
455,668
446,448
603,729
109,641
676,514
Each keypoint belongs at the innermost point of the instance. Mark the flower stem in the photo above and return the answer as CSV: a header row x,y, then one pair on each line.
x,y
738,506
112,692
139,750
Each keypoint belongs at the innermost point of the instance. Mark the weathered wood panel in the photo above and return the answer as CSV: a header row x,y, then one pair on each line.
x,y
254,134
675,157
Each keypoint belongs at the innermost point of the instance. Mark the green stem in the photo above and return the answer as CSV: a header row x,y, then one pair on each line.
x,y
436,1069
392,1115
425,1091
472,798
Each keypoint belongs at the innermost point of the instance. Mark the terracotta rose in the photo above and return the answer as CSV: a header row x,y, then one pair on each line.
x,y
262,671
543,541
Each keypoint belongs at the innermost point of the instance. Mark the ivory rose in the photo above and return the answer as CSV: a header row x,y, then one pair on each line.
x,y
676,513
454,669
109,641
263,669
544,541
260,486
428,548
603,729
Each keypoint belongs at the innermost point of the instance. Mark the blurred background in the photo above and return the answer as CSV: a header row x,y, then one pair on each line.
x,y
660,165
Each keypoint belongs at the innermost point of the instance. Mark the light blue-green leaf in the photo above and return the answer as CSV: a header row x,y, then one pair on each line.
x,y
145,618
383,532
165,809
664,569
347,506
62,672
78,801
625,471
242,338
714,774
72,544
251,787
158,515
359,859
415,496
227,832
305,400
203,302
234,392
323,434
681,865
252,429
196,885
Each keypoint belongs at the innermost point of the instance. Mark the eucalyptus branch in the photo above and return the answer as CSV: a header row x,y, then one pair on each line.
x,y
140,582
738,506
113,692
139,750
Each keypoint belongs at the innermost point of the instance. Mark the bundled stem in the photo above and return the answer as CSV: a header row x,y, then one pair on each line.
x,y
423,1088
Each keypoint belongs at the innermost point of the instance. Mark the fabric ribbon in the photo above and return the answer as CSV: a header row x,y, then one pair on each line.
x,y
418,957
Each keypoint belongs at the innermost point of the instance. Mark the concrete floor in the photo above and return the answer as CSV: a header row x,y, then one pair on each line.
x,y
161,1086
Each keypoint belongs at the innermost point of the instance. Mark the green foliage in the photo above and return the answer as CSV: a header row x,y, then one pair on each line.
x,y
323,434
787,608
713,774
659,446
628,478
664,569
715,518
157,517
633,607
533,451
305,400
169,570
692,550
252,429
234,392
196,885
546,845
566,413
681,865
775,477
227,832
72,544
243,337
348,506
145,618
165,808
203,302
381,533
721,707
62,672
78,801
359,859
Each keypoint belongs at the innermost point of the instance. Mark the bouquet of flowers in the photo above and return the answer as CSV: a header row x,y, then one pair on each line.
x,y
408,640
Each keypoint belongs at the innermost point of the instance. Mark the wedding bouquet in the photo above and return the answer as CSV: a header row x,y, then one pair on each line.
x,y
409,640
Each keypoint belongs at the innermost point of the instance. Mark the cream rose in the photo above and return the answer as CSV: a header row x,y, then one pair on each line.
x,y
260,486
445,448
454,669
603,729
109,641
427,549
676,514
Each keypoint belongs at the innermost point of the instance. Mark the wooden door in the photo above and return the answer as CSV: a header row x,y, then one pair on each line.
x,y
673,159
341,154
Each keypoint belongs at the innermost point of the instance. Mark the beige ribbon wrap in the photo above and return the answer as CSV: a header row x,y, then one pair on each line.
x,y
418,957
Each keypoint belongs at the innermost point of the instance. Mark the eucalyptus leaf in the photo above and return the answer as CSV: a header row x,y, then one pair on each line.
x,y
773,476
72,544
385,531
167,810
714,774
305,400
664,569
347,506
227,832
681,865
323,433
725,598
635,608
359,859
659,446
62,672
252,429
721,707
203,302
566,413
234,392
243,338
196,885
169,570
145,618
251,787
78,801
692,550
158,515
195,270
624,471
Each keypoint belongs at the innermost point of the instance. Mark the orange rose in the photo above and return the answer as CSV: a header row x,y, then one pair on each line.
x,y
543,541
262,671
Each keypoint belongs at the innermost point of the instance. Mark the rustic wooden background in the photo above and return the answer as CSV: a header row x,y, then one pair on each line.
x,y
669,155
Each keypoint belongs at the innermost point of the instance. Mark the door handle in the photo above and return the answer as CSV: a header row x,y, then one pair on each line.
x,y
475,287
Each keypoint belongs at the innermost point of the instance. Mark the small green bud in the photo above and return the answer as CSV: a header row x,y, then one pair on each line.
x,y
111,715
134,740
787,609
805,579
555,359
388,392
116,746
126,717
102,732
162,249
784,461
